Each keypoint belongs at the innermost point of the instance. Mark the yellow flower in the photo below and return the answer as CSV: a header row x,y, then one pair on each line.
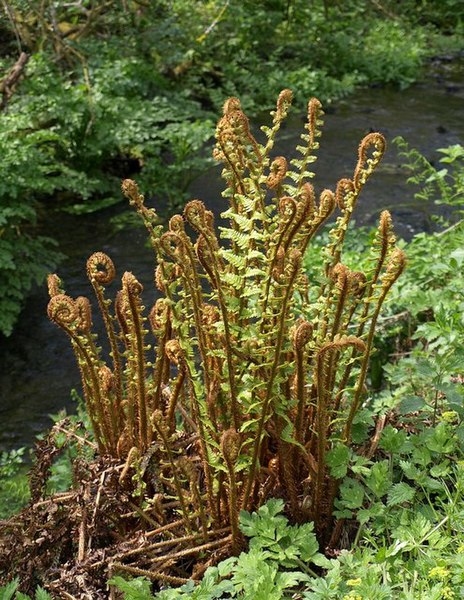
x,y
352,596
353,582
439,573
449,416
447,593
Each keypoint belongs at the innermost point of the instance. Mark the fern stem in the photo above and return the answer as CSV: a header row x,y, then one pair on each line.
x,y
264,409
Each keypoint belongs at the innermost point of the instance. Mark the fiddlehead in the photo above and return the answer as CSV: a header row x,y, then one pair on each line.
x,y
101,273
132,289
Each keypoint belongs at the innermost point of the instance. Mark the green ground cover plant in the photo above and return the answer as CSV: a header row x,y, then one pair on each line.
x,y
408,547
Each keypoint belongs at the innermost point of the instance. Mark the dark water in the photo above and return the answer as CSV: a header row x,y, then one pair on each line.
x,y
37,366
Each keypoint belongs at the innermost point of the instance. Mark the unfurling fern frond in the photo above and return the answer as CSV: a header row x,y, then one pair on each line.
x,y
249,387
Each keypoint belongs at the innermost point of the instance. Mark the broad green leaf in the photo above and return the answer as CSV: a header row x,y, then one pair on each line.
x,y
338,460
379,478
351,494
399,493
392,440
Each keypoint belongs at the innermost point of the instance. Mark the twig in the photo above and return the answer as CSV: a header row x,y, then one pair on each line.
x,y
83,525
164,543
142,514
11,17
79,438
381,421
63,497
393,318
450,228
172,504
197,549
9,82
210,28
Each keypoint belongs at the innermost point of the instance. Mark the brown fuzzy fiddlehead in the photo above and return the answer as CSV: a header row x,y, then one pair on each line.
x,y
84,311
132,289
366,165
54,285
100,269
62,310
344,194
277,172
101,273
302,334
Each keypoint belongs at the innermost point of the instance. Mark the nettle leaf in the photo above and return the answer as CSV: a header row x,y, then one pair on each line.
x,y
379,478
338,460
441,439
351,494
366,514
392,440
411,404
399,493
411,471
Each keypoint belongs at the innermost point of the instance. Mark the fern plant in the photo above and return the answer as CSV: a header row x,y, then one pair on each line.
x,y
257,373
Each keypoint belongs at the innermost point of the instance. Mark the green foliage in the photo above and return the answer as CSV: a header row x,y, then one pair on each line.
x,y
277,562
67,133
416,467
14,486
24,260
270,532
411,548
425,319
442,186
10,592
388,56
